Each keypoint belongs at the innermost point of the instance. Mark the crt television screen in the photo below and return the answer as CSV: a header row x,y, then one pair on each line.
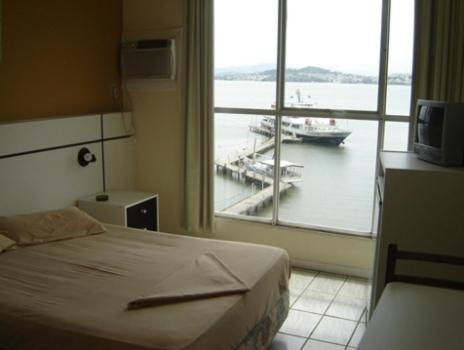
x,y
430,125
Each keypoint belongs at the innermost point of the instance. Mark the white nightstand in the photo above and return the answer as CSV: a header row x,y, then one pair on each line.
x,y
126,208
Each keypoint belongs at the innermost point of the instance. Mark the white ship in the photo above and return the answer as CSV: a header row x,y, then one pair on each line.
x,y
317,130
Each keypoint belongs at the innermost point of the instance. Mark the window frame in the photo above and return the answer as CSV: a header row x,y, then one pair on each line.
x,y
281,110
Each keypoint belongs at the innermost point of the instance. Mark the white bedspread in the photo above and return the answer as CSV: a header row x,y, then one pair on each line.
x,y
206,277
73,294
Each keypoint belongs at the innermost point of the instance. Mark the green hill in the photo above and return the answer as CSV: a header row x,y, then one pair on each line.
x,y
312,74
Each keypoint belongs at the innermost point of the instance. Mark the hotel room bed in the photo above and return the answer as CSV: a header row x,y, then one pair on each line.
x,y
73,294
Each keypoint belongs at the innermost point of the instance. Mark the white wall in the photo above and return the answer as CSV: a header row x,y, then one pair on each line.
x,y
38,161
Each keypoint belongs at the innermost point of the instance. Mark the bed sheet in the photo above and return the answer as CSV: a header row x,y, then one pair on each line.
x,y
73,294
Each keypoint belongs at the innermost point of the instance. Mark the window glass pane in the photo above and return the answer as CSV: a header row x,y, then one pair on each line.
x,y
400,57
398,99
396,136
245,53
243,166
335,186
333,51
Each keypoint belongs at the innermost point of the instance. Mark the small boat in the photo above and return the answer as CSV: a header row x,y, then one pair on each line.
x,y
299,103
289,172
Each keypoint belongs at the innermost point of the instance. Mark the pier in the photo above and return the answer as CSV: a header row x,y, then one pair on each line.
x,y
251,204
286,136
223,164
235,166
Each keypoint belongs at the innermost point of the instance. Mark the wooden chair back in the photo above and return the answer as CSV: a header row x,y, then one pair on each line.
x,y
395,254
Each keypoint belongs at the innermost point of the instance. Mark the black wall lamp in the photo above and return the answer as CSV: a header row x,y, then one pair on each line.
x,y
84,157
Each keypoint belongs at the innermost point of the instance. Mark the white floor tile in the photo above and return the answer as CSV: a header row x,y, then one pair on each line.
x,y
313,301
350,308
355,287
342,300
300,323
358,334
300,279
318,345
334,330
327,283
365,315
286,342
293,296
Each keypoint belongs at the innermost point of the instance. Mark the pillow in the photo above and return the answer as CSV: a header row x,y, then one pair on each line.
x,y
49,226
5,243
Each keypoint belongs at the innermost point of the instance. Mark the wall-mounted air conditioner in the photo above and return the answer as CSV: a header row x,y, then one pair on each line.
x,y
148,59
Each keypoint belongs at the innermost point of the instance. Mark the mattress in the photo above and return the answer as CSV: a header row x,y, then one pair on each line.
x,y
73,294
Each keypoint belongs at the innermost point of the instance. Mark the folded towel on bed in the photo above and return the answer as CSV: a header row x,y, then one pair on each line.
x,y
206,277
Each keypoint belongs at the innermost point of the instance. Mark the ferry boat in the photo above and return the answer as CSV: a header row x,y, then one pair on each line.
x,y
316,130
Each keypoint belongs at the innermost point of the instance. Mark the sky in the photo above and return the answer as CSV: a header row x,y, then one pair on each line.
x,y
342,35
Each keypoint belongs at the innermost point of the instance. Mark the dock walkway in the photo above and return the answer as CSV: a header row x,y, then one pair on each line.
x,y
287,137
251,204
261,148
233,165
250,174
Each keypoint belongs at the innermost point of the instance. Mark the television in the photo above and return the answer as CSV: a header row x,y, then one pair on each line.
x,y
439,136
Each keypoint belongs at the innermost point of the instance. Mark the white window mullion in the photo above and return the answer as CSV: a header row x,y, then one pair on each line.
x,y
280,93
383,71
280,102
330,114
247,111
382,91
276,180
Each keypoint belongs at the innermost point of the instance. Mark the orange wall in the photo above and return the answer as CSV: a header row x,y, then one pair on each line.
x,y
59,58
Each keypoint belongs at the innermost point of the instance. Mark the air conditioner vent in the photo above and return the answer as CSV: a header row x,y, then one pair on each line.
x,y
148,59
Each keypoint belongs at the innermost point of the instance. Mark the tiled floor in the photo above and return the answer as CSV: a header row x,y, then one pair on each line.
x,y
328,312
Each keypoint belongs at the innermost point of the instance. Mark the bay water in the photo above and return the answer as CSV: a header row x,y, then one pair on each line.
x,y
337,187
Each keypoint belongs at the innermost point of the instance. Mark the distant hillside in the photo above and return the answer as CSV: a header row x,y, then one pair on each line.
x,y
311,75
245,69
